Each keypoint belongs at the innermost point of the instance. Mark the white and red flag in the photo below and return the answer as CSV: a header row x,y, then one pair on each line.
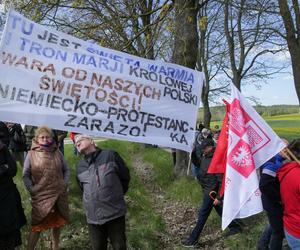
x,y
251,142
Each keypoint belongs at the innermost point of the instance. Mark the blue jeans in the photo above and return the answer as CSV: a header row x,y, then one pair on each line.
x,y
294,243
195,170
204,212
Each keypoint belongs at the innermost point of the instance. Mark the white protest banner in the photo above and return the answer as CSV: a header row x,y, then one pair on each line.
x,y
51,78
251,143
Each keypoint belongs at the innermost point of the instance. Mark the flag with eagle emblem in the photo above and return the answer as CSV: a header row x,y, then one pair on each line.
x,y
251,142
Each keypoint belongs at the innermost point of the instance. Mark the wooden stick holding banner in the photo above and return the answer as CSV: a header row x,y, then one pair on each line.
x,y
189,164
293,156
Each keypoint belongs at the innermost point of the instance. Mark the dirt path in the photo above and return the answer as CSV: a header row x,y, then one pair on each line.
x,y
179,217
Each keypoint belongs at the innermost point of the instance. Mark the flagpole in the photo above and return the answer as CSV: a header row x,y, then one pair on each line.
x,y
293,156
189,164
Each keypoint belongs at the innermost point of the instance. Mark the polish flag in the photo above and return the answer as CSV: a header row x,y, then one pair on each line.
x,y
251,142
219,160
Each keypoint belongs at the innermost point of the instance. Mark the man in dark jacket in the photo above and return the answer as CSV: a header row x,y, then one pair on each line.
x,y
104,179
210,183
271,200
4,134
29,134
12,216
17,142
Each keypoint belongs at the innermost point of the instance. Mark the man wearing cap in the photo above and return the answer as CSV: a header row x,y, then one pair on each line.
x,y
104,179
210,183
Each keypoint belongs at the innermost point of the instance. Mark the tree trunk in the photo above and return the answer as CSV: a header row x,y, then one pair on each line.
x,y
206,109
292,38
185,49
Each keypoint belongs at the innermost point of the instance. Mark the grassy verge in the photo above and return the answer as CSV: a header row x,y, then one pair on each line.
x,y
187,190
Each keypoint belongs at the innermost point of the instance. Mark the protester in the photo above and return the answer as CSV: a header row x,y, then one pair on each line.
x,y
61,135
210,183
216,137
271,200
72,136
217,128
29,134
17,142
4,134
200,127
289,176
46,177
199,137
12,216
104,179
173,152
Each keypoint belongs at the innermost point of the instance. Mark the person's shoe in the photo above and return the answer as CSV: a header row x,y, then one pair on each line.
x,y
232,231
189,243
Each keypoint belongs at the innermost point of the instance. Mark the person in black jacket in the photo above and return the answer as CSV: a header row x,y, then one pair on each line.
x,y
17,142
4,134
12,216
269,186
104,179
209,183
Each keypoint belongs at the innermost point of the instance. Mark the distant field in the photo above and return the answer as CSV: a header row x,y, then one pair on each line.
x,y
286,126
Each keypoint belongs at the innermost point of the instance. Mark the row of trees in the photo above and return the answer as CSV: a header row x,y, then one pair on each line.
x,y
238,41
217,112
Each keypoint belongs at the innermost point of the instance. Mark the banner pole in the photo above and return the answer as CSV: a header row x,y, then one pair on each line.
x,y
189,164
293,156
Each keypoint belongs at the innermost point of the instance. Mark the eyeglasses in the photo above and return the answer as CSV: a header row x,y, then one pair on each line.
x,y
44,137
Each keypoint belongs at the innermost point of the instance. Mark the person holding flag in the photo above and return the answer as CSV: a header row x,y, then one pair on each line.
x,y
289,176
251,142
210,184
271,200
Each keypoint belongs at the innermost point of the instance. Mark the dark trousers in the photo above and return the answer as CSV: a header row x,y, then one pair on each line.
x,y
276,223
264,240
204,212
113,230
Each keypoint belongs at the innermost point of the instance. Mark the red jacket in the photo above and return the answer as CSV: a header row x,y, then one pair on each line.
x,y
289,177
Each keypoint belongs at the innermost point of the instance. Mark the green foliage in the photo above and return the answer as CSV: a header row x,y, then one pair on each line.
x,y
185,189
162,166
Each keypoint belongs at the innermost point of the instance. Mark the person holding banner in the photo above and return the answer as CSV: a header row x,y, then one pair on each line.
x,y
104,179
46,176
289,178
12,216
